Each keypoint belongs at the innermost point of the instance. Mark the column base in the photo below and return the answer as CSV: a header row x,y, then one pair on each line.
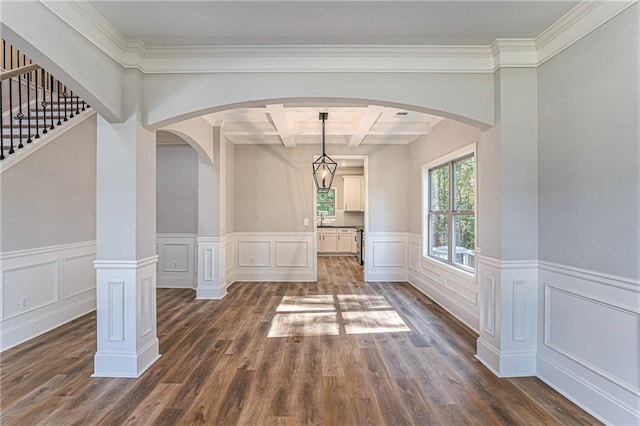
x,y
506,364
126,365
211,292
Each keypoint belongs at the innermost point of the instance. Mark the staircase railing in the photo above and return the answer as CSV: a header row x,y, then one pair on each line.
x,y
33,102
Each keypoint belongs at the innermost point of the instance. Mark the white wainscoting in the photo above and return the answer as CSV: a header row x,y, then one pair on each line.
x,y
44,288
387,256
589,340
456,291
508,326
270,256
177,261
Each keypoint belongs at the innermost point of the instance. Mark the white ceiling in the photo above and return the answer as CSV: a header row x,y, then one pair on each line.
x,y
298,125
309,22
338,23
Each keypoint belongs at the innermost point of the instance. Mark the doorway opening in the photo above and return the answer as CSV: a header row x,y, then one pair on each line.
x,y
341,214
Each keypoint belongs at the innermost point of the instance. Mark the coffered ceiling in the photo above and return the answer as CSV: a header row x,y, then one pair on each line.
x,y
293,125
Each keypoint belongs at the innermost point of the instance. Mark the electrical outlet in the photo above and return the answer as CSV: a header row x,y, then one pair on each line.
x,y
175,265
251,260
24,303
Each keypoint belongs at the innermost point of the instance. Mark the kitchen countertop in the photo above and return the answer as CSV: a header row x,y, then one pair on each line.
x,y
359,227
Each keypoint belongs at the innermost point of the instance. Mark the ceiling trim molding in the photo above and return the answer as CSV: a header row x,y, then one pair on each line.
x,y
441,59
502,53
586,17
514,53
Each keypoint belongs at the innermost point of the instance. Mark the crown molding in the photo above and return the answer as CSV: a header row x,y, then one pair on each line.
x,y
584,18
92,25
514,53
440,59
502,53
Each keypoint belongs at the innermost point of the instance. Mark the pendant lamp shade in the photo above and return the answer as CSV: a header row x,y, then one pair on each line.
x,y
324,168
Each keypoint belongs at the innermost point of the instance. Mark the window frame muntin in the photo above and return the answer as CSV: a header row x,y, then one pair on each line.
x,y
450,159
335,203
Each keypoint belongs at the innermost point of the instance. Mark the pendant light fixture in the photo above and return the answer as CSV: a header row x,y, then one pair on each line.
x,y
324,168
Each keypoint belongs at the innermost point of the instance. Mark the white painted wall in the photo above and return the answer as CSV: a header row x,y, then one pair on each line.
x,y
589,219
176,189
274,187
172,97
47,199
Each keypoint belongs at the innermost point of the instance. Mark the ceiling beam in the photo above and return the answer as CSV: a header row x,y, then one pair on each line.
x,y
367,120
282,124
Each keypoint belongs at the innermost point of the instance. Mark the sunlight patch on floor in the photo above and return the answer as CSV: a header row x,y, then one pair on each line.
x,y
373,322
323,302
304,324
318,315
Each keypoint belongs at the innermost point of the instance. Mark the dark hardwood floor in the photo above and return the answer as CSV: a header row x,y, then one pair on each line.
x,y
336,352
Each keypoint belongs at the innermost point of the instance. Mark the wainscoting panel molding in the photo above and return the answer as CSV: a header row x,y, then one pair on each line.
x,y
272,256
177,260
508,333
589,340
455,291
43,288
387,256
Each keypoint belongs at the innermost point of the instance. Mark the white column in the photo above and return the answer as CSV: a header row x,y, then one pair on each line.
x,y
211,241
508,228
127,342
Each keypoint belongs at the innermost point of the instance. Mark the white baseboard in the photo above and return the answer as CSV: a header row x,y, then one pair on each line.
x,y
175,282
270,275
591,399
126,365
212,292
20,333
58,284
467,316
510,364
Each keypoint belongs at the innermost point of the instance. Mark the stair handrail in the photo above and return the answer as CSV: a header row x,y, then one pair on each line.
x,y
23,123
5,75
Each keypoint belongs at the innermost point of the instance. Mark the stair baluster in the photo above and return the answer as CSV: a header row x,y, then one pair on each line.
x,y
44,102
37,136
71,106
19,115
18,69
28,78
51,99
11,150
58,96
64,93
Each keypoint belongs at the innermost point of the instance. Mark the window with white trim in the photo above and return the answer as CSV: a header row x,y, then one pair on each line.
x,y
326,202
450,211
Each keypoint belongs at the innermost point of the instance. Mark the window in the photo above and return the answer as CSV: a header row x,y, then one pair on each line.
x,y
326,202
450,211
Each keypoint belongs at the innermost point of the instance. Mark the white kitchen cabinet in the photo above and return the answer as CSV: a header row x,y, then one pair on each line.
x,y
336,240
345,241
354,193
327,240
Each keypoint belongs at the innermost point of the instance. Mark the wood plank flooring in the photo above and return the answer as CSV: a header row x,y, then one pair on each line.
x,y
336,352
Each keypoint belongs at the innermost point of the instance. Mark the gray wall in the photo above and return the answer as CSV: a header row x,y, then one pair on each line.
x,y
229,206
589,151
274,187
176,189
50,197
446,137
